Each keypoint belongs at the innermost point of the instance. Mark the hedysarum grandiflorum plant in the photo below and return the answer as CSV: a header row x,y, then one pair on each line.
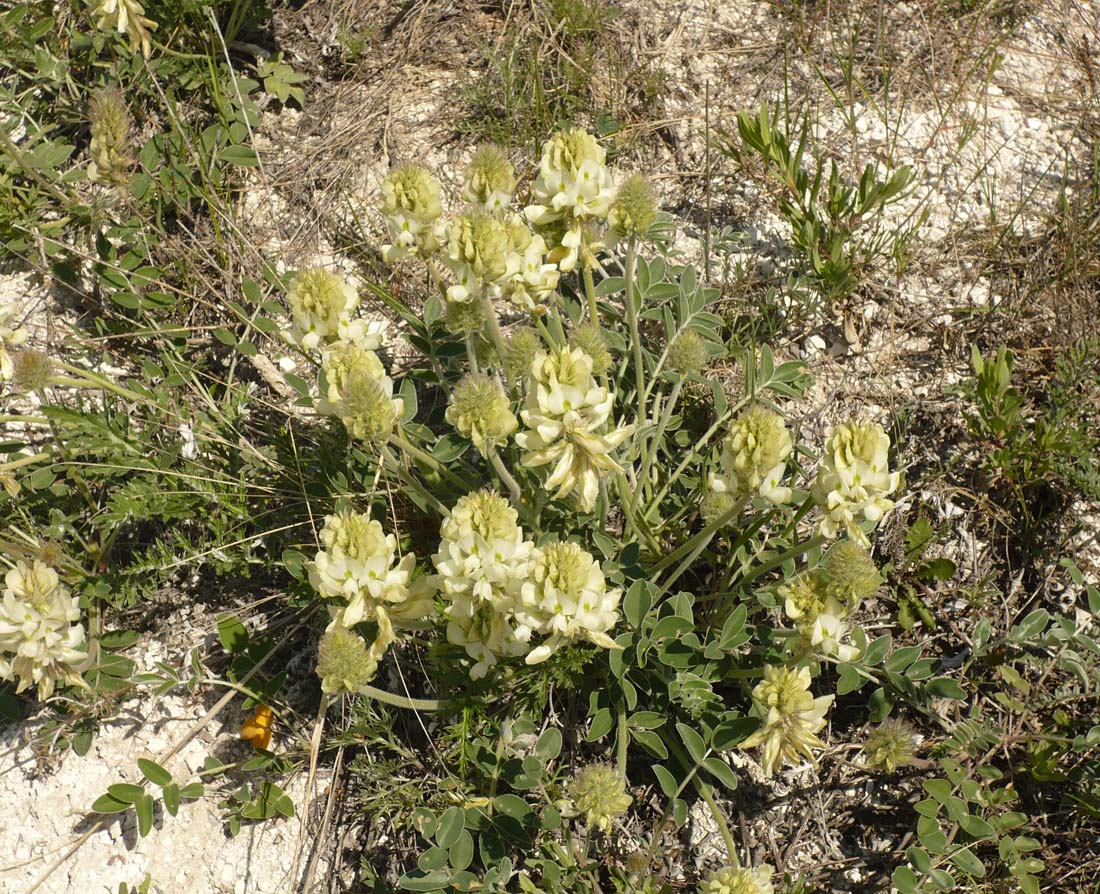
x,y
555,480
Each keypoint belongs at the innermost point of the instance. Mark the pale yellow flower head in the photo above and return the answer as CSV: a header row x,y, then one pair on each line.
x,y
565,412
490,179
790,717
410,203
566,599
477,253
739,880
891,745
754,456
600,793
854,480
40,641
321,307
531,277
359,392
520,348
481,411
360,570
572,187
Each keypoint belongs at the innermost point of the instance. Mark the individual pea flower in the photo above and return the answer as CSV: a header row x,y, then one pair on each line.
x,y
480,410
564,412
789,717
110,148
11,336
891,745
40,641
321,304
739,880
688,353
477,253
359,565
410,203
566,599
128,17
573,185
854,480
520,348
599,792
358,391
344,662
531,279
754,456
589,337
490,179
634,209
850,574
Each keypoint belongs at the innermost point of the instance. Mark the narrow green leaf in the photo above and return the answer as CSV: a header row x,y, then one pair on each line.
x,y
154,772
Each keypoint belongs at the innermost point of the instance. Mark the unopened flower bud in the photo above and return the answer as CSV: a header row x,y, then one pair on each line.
x,y
520,349
716,504
850,574
634,209
688,353
343,661
893,744
30,371
601,793
480,411
465,317
110,149
590,338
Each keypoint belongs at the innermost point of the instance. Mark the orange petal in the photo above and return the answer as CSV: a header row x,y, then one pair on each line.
x,y
257,728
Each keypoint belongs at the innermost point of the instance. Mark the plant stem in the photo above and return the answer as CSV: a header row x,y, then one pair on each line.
x,y
493,326
632,320
505,476
703,537
590,293
623,741
654,443
402,701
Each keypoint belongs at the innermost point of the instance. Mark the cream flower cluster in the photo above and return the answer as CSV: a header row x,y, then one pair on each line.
x,y
359,567
566,599
490,180
40,639
573,187
565,412
531,280
321,307
501,590
358,391
739,880
600,793
754,458
789,716
410,203
481,411
854,480
128,16
477,253
10,336
482,561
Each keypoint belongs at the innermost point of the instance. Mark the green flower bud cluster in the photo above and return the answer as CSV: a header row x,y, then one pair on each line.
x,y
891,745
688,353
344,663
481,411
600,793
589,337
634,209
739,880
111,147
754,457
411,205
520,349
